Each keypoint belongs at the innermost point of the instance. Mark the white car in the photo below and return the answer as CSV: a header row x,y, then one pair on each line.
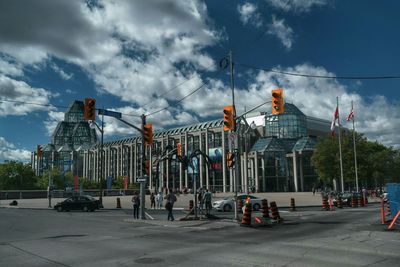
x,y
228,203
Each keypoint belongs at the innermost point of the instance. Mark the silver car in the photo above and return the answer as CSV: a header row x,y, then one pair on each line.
x,y
228,203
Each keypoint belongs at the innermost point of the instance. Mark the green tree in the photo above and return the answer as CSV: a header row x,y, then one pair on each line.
x,y
17,176
376,163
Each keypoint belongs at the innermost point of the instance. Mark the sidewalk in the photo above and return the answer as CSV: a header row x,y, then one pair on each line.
x,y
302,199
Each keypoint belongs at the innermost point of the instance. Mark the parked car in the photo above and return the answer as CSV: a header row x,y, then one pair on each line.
x,y
228,203
85,203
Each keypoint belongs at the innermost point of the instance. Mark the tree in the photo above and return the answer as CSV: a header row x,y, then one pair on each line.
x,y
376,163
17,176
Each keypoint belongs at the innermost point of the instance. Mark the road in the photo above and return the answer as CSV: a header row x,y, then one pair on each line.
x,y
307,237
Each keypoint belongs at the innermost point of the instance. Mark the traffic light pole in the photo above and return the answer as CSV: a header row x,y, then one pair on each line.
x,y
142,184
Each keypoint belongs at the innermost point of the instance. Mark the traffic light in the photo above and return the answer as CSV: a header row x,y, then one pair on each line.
x,y
179,149
277,101
148,134
229,121
90,109
39,151
230,159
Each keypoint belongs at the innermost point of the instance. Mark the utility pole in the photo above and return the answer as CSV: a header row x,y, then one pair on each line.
x,y
142,184
101,161
236,151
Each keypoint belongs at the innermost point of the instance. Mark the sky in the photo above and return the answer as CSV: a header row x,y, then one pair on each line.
x,y
163,59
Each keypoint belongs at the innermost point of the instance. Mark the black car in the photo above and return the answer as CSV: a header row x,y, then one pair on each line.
x,y
85,203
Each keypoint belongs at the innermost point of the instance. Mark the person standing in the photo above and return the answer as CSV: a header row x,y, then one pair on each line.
x,y
200,200
159,200
152,201
207,201
136,205
171,199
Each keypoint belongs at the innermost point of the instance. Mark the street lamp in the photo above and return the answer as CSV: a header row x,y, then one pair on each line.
x,y
93,125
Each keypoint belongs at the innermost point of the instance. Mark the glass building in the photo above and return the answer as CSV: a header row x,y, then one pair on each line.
x,y
274,156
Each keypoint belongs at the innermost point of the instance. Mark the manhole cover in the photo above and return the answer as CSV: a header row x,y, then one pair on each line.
x,y
148,260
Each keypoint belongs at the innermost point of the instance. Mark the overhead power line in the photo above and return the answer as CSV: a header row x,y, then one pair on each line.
x,y
186,96
319,76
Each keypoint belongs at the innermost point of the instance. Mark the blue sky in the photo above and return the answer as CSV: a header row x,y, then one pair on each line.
x,y
132,55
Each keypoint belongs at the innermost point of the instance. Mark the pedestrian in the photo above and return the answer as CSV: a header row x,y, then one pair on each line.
x,y
171,199
159,200
200,200
152,201
313,190
136,205
207,201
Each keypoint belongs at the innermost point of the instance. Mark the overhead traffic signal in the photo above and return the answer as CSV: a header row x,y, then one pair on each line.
x,y
277,101
230,159
179,149
229,120
90,109
148,134
39,151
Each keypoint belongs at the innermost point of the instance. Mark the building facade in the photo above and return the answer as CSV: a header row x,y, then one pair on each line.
x,y
274,156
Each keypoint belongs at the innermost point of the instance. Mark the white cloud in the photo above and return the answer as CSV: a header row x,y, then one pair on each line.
x,y
297,6
10,69
52,121
317,98
62,73
8,151
282,31
248,14
17,95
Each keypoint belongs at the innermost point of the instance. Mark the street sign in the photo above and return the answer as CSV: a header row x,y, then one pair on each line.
x,y
233,142
110,113
141,179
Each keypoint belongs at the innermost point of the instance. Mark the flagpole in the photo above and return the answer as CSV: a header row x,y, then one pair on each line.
x,y
340,148
354,143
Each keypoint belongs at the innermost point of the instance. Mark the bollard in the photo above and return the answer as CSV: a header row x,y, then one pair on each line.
x,y
275,211
292,205
265,211
118,203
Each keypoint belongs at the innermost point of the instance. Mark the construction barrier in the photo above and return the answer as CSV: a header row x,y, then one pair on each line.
x,y
246,219
394,221
118,203
325,205
265,210
275,211
292,205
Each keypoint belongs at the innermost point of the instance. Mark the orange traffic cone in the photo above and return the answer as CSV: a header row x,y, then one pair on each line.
x,y
265,210
274,211
246,219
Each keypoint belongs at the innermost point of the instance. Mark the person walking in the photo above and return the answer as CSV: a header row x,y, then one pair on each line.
x,y
207,201
200,200
159,200
136,205
171,199
152,201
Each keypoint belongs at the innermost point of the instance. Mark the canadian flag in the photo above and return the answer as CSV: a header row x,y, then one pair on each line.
x,y
335,117
351,115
